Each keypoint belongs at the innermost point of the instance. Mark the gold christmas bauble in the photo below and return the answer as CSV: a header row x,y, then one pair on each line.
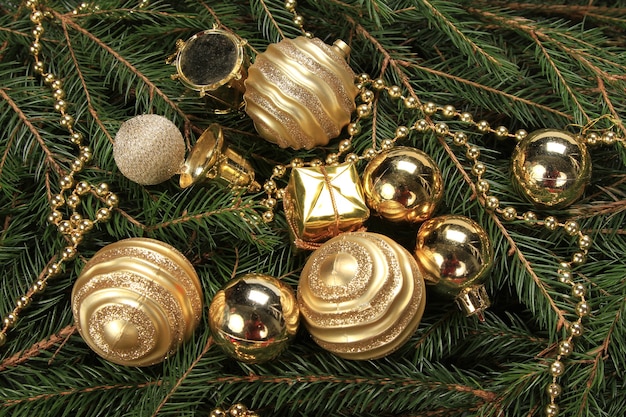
x,y
361,295
551,167
254,317
455,255
149,149
300,92
403,184
136,301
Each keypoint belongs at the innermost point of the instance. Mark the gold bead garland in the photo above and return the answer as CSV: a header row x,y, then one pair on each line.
x,y
235,410
75,227
72,190
491,203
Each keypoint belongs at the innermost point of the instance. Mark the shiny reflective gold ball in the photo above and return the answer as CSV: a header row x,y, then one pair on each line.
x,y
254,317
403,185
300,92
149,149
361,295
551,167
136,301
455,255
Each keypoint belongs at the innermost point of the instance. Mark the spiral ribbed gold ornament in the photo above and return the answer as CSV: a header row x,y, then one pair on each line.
x,y
136,301
361,295
300,92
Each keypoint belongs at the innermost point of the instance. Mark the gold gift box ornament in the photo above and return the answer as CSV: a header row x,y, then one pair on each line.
x,y
323,201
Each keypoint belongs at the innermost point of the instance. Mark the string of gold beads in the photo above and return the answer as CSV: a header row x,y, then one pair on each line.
x,y
367,95
298,19
235,410
71,191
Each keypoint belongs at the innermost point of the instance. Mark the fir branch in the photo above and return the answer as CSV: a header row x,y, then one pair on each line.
x,y
99,388
50,160
25,355
166,398
153,89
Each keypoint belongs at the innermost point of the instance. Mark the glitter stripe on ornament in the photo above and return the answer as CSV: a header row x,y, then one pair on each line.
x,y
300,92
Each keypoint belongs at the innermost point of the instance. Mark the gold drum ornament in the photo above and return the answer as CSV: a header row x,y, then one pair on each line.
x,y
300,92
136,301
214,63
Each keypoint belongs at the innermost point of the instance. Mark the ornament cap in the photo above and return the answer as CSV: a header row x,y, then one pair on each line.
x,y
211,159
474,301
342,48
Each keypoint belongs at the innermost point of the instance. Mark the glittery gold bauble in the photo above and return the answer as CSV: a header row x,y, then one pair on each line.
x,y
136,301
456,255
254,317
551,167
361,295
149,149
403,184
300,92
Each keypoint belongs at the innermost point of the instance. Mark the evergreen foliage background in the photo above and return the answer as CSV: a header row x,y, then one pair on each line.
x,y
528,64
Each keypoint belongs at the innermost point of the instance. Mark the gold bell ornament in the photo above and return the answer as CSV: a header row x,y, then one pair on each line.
x,y
361,295
456,255
254,317
136,301
149,149
300,92
551,168
322,201
214,63
403,184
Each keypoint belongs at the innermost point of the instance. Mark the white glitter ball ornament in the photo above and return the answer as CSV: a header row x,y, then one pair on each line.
x,y
149,149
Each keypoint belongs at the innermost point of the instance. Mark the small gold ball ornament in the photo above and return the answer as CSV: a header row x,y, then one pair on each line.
x,y
551,167
254,317
403,184
136,301
455,255
149,149
361,295
300,92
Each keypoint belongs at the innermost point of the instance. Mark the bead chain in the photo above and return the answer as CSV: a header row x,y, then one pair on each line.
x,y
76,226
71,191
235,410
298,19
491,203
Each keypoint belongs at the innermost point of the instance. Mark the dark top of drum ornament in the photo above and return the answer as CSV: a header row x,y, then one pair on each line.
x,y
208,59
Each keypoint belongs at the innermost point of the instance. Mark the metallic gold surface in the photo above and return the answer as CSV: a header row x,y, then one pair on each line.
x,y
403,185
148,149
254,317
300,92
361,295
455,255
551,167
324,201
214,63
136,301
212,159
